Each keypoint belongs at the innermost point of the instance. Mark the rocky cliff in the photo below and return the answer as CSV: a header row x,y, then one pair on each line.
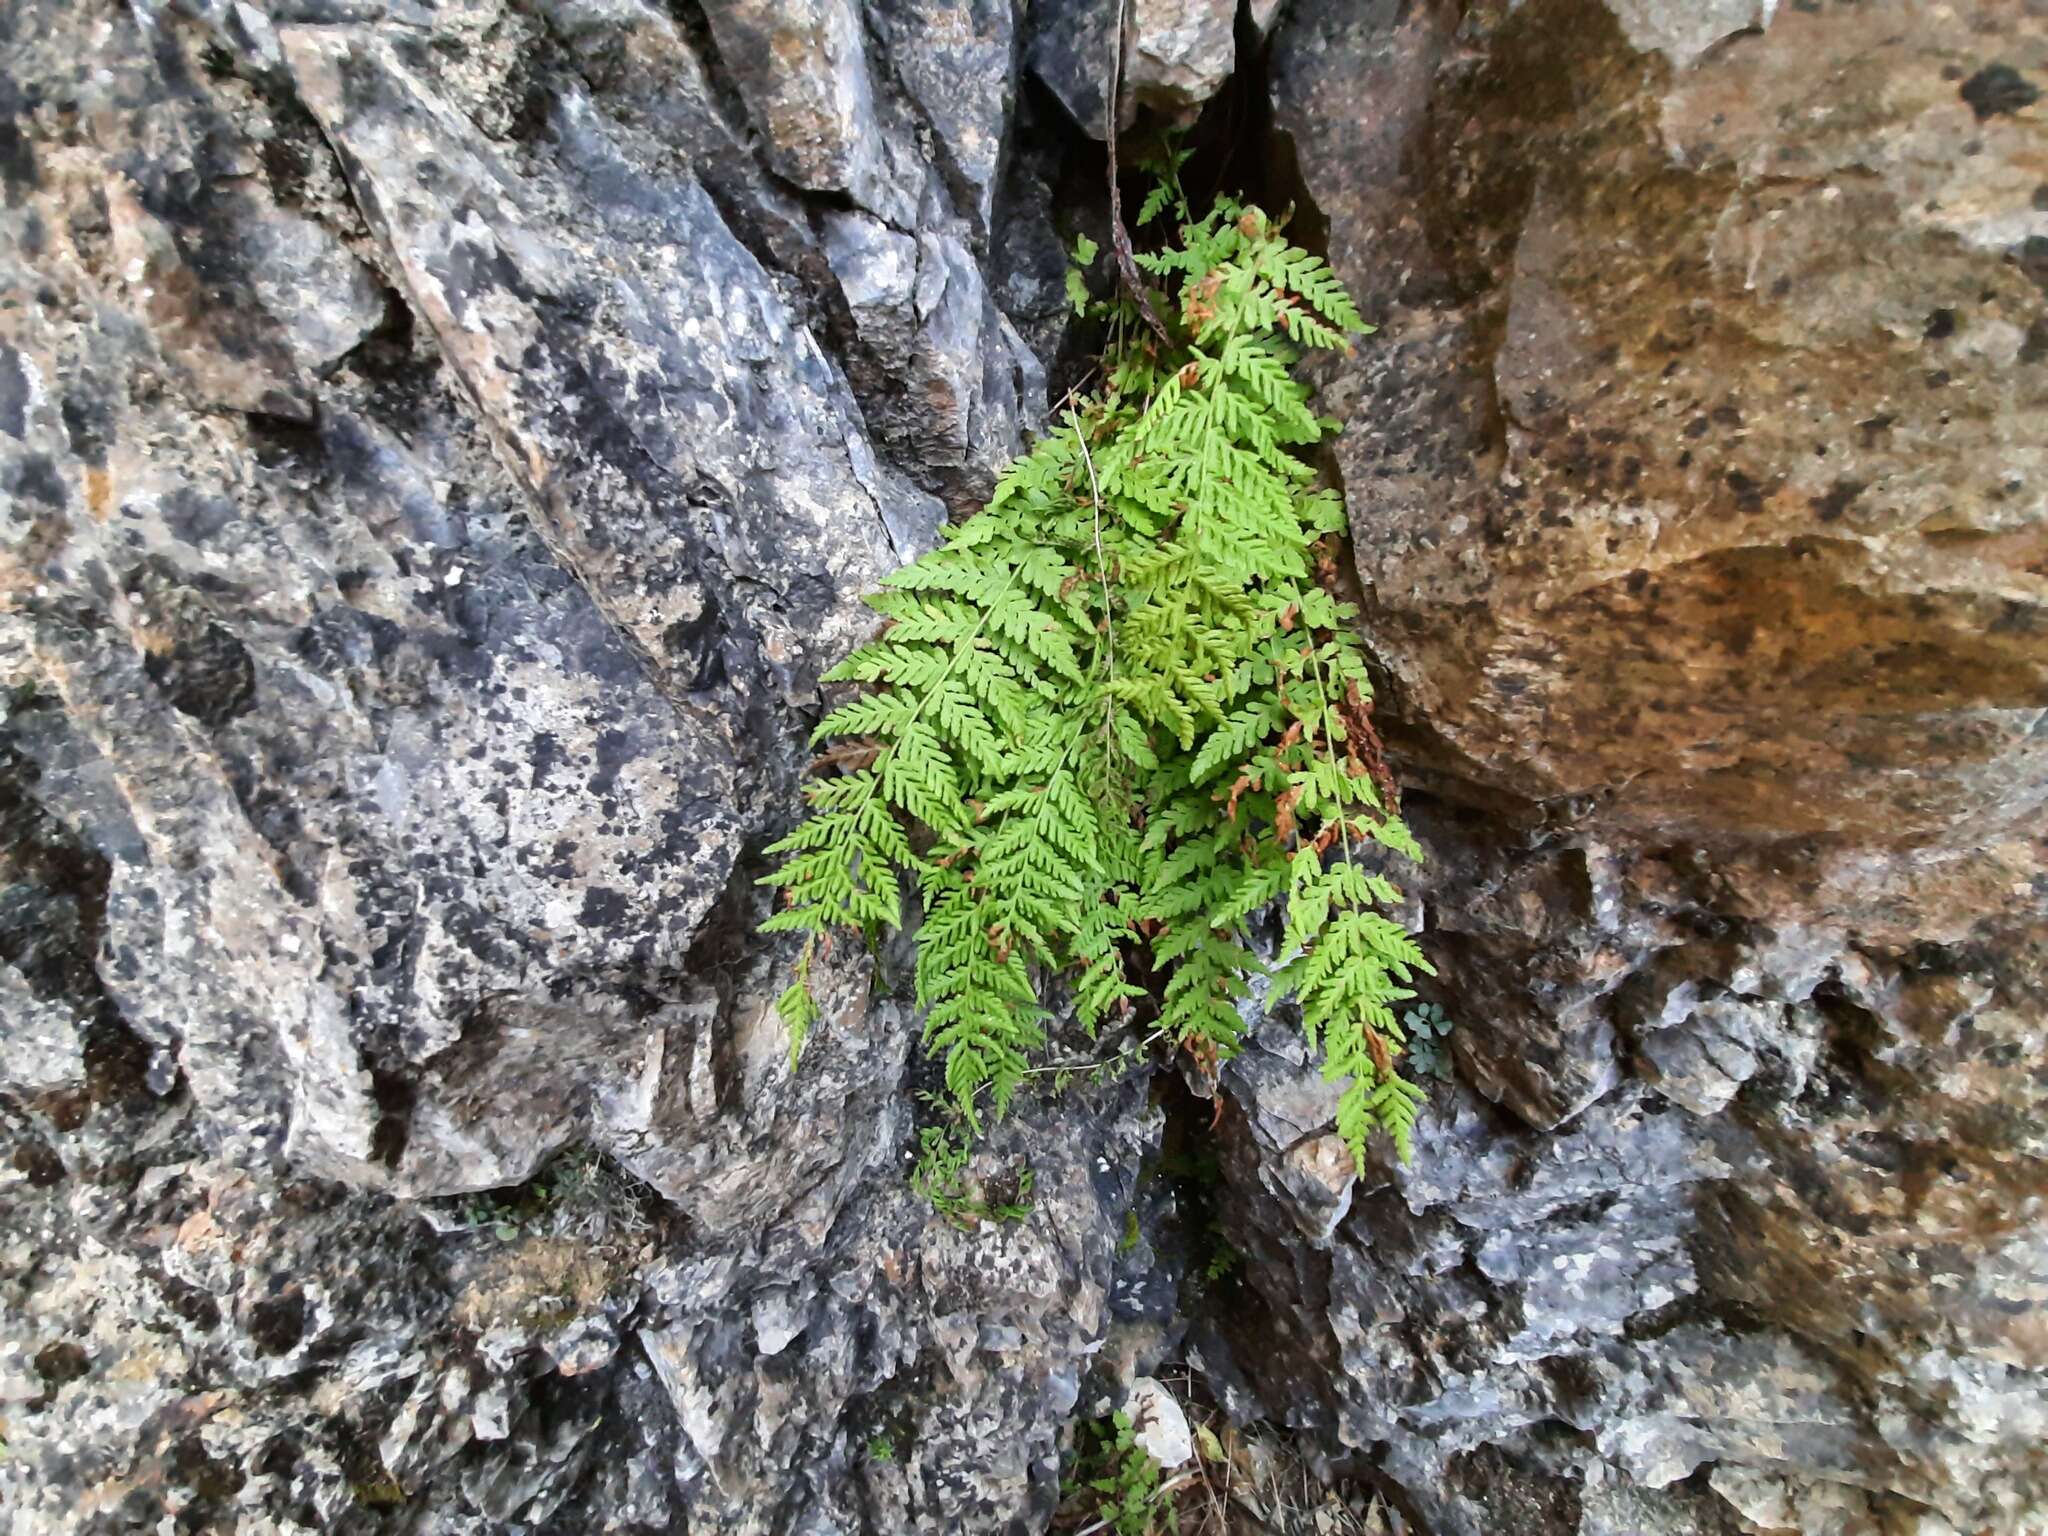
x,y
442,444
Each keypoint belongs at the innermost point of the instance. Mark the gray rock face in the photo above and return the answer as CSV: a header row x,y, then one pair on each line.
x,y
957,60
1176,53
1746,947
426,520
441,447
802,71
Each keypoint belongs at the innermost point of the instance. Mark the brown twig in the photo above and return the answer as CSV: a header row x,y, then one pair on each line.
x,y
1119,237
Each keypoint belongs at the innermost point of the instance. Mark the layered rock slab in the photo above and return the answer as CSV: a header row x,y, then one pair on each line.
x,y
1694,478
429,507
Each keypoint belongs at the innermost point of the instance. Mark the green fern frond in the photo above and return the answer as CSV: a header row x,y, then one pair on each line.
x,y
798,1009
1116,716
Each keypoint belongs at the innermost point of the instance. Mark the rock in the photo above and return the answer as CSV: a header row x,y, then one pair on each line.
x,y
1683,32
44,1046
434,486
1072,49
659,94
218,354
1290,1111
958,62
441,448
1029,251
470,276
1177,54
802,70
1162,1427
964,382
326,300
1181,50
1580,455
1702,1060
52,890
1698,1239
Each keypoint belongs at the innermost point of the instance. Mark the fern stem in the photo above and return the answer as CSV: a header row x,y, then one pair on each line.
x,y
1053,1067
1323,706
1101,562
1102,575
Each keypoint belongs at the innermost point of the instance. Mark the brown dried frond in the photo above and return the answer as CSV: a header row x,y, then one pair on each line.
x,y
1244,782
1283,814
1198,308
1355,709
850,756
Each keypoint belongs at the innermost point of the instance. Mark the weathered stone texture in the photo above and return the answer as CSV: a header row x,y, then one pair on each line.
x,y
1696,477
1704,399
442,445
426,520
1175,54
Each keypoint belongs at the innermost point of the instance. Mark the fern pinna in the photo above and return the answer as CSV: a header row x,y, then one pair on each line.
x,y
1119,712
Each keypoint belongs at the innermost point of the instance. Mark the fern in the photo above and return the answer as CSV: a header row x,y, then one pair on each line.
x,y
1119,713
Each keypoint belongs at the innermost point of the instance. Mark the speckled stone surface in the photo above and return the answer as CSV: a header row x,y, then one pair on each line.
x,y
1697,479
441,446
429,504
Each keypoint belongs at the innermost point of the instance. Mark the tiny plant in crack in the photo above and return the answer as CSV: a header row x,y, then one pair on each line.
x,y
941,1176
580,1195
1429,1040
1123,710
1118,1480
